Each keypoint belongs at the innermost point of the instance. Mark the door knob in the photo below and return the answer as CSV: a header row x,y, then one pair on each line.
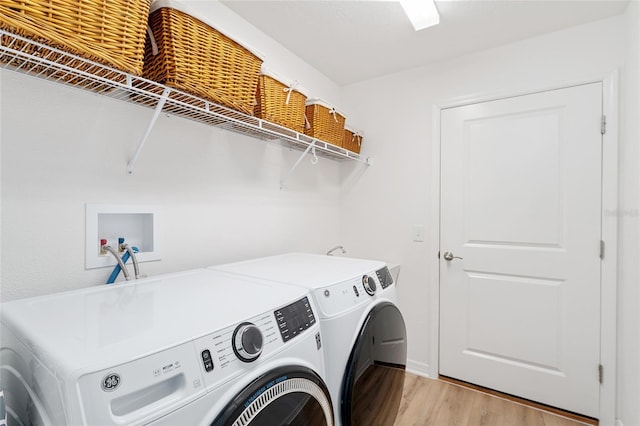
x,y
448,256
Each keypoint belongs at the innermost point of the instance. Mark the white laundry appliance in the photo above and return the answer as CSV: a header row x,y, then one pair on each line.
x,y
195,348
364,332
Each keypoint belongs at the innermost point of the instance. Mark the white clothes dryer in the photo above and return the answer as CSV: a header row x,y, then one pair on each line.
x,y
364,332
196,348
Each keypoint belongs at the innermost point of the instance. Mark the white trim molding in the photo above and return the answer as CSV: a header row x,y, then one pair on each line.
x,y
419,369
609,271
433,262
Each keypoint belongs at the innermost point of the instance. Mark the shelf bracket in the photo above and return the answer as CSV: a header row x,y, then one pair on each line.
x,y
156,114
297,163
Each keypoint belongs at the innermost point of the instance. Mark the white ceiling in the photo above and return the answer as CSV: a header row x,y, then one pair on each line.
x,y
352,41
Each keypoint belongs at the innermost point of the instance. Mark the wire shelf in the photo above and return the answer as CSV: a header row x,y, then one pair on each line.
x,y
36,59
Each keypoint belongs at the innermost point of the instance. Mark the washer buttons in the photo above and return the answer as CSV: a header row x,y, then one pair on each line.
x,y
206,360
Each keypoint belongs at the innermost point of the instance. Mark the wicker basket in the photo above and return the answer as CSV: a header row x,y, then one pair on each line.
x,y
325,122
110,32
280,103
200,60
352,139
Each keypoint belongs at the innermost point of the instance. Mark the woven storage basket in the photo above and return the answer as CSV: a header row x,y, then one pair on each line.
x,y
200,60
280,103
111,32
352,139
325,122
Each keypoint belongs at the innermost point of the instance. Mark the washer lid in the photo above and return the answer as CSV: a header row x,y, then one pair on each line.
x,y
308,270
98,327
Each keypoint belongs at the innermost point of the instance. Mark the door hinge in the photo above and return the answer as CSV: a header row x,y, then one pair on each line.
x,y
600,373
603,125
601,249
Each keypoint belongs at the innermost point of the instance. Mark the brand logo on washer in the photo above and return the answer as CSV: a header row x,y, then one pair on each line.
x,y
110,382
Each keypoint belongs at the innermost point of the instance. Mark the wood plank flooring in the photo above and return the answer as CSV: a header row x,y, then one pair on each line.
x,y
429,402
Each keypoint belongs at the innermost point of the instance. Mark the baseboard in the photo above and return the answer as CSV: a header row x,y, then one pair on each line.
x,y
418,368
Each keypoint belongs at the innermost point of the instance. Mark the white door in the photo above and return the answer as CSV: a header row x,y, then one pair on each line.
x,y
520,205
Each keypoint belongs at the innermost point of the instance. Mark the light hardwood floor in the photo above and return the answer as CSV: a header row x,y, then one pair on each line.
x,y
428,402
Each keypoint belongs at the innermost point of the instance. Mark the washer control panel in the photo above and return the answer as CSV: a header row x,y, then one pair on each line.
x,y
223,351
294,319
227,353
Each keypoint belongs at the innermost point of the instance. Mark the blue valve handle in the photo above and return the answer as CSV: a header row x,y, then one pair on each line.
x,y
117,269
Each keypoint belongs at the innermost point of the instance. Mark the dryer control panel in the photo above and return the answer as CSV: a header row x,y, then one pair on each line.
x,y
384,276
339,298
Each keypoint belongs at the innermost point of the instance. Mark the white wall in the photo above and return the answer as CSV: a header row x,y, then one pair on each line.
x,y
218,193
219,196
380,208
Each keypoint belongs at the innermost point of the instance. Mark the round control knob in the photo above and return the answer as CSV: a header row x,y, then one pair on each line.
x,y
247,342
369,285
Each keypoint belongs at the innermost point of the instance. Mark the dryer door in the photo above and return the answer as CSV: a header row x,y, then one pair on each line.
x,y
374,377
294,396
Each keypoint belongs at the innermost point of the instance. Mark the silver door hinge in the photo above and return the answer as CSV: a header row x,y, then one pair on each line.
x,y
601,249
603,125
600,373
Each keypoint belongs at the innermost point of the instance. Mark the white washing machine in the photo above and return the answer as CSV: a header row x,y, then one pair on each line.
x,y
364,332
196,348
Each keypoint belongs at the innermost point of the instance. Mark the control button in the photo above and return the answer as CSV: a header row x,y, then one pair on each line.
x,y
369,285
247,342
355,290
318,341
156,372
206,360
196,383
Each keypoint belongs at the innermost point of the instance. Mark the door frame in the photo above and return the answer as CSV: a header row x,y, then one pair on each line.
x,y
609,224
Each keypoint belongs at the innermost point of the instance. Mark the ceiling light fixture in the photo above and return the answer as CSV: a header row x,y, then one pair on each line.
x,y
422,13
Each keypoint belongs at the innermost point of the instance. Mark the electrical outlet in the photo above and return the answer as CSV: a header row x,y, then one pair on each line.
x,y
418,233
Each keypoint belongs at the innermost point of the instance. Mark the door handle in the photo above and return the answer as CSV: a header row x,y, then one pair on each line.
x,y
448,256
